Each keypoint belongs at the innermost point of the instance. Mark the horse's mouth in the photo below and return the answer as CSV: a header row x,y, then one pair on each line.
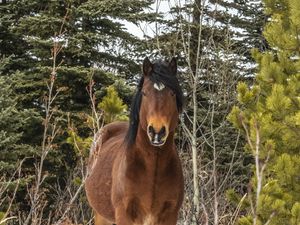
x,y
158,143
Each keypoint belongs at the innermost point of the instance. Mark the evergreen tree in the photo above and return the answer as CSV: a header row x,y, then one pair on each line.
x,y
269,115
112,106
94,44
245,20
12,46
12,151
112,109
236,24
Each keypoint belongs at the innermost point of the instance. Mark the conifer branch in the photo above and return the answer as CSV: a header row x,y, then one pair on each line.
x,y
50,132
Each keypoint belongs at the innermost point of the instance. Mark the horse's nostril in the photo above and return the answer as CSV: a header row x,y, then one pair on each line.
x,y
157,135
162,132
151,130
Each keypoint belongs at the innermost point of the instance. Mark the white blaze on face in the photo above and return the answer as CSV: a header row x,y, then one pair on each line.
x,y
159,86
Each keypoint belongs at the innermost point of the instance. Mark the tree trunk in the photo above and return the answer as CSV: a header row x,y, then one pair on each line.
x,y
195,59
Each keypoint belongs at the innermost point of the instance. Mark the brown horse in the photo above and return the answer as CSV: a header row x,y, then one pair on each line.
x,y
136,176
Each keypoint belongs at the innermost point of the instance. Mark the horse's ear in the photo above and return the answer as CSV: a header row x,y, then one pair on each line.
x,y
173,65
147,66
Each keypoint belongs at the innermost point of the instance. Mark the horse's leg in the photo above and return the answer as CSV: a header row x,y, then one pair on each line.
x,y
99,220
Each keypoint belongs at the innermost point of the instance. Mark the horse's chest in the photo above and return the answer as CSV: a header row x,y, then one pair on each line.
x,y
151,189
141,213
151,196
153,186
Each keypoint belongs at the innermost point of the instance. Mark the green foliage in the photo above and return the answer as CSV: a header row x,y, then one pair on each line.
x,y
113,106
2,214
295,214
80,145
271,107
237,200
93,43
245,95
13,122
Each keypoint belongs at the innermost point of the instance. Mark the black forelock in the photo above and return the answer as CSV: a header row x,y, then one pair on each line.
x,y
161,73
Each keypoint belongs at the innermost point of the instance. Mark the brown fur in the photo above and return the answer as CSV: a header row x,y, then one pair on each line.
x,y
138,184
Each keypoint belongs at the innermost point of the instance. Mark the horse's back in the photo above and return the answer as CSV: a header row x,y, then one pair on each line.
x,y
108,142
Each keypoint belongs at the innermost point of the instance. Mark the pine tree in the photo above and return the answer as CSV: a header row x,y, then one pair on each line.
x,y
112,106
12,46
237,24
12,151
269,115
94,44
245,20
112,109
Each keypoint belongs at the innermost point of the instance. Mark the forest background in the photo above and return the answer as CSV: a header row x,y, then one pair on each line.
x,y
69,66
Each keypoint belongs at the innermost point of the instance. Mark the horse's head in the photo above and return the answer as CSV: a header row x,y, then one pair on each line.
x,y
161,100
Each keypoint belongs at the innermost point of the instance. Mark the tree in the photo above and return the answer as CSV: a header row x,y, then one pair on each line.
x,y
12,150
112,106
13,48
204,36
269,116
92,43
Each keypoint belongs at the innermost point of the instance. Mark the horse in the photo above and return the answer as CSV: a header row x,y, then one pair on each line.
x,y
135,174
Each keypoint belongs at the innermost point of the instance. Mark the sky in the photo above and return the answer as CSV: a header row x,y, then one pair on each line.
x,y
163,7
149,29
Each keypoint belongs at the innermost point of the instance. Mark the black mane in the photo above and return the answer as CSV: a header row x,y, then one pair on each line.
x,y
160,74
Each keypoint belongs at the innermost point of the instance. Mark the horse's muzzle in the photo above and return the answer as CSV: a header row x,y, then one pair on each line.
x,y
157,138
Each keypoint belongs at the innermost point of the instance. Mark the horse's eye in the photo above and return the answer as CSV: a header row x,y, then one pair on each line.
x,y
172,93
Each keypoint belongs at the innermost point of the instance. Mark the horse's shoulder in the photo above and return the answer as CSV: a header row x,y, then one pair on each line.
x,y
106,136
115,129
116,126
111,130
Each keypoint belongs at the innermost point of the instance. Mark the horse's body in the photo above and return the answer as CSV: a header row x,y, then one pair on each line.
x,y
137,181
